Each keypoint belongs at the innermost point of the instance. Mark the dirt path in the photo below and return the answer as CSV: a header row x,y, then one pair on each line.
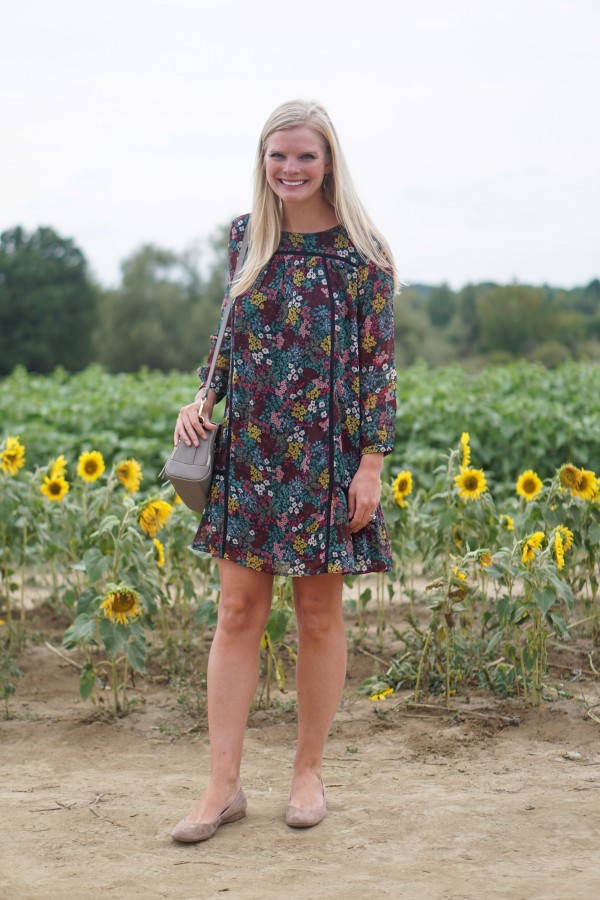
x,y
453,809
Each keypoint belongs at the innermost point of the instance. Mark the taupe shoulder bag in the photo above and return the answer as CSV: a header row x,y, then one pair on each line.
x,y
189,469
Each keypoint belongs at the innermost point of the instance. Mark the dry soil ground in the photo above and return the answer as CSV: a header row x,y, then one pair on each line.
x,y
480,804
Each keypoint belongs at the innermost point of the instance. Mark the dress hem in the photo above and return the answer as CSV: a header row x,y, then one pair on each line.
x,y
270,571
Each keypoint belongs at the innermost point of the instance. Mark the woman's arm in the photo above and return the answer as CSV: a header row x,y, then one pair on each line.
x,y
218,386
377,363
377,387
188,426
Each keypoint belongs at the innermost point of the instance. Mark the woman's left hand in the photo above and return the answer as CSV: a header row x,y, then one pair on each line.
x,y
364,492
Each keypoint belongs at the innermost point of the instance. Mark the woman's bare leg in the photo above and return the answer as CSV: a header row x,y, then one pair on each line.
x,y
320,677
232,679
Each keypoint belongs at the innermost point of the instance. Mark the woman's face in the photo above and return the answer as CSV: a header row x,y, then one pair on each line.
x,y
295,163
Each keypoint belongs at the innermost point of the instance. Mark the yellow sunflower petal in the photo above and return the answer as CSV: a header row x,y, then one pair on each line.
x,y
122,605
154,516
54,488
529,485
470,483
90,465
12,458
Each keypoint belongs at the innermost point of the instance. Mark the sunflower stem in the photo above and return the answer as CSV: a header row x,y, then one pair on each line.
x,y
523,672
360,620
483,603
448,640
269,674
380,610
125,673
420,669
23,560
115,685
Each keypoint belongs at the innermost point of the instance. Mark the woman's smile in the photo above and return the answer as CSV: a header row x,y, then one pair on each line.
x,y
292,184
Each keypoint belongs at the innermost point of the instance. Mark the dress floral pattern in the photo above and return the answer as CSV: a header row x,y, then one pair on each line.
x,y
307,365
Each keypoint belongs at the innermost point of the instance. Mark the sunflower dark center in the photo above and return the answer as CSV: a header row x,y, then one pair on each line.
x,y
123,602
471,483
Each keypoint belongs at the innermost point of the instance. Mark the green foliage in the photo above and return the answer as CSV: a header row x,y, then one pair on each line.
x,y
160,316
520,416
441,305
9,675
486,322
487,624
47,302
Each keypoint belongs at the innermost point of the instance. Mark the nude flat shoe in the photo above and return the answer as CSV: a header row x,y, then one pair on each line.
x,y
190,832
297,817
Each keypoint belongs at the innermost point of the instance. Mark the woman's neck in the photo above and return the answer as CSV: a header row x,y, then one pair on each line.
x,y
316,218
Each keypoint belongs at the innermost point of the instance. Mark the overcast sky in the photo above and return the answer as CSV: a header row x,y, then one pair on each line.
x,y
471,126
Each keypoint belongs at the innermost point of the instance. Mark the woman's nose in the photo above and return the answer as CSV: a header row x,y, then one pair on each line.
x,y
290,167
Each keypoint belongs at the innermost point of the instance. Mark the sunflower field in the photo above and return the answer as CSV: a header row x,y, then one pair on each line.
x,y
491,499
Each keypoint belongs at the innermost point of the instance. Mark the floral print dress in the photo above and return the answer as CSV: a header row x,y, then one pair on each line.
x,y
307,365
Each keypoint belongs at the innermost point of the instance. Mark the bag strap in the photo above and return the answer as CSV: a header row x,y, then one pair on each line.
x,y
240,262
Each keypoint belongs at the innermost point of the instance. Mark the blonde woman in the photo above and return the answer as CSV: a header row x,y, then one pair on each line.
x,y
307,366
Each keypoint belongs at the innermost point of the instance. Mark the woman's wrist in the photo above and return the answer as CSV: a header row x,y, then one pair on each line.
x,y
372,461
209,403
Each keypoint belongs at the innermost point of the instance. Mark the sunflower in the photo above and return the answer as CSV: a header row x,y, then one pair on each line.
x,y
177,498
559,550
486,559
567,536
154,515
531,544
508,521
381,695
12,458
402,486
466,450
470,483
568,475
586,485
529,485
55,488
121,605
58,467
90,465
129,473
160,553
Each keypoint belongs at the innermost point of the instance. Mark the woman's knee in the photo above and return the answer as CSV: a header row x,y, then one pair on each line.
x,y
318,615
245,599
241,613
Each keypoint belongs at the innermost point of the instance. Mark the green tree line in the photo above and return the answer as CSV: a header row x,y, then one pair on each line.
x,y
498,323
161,315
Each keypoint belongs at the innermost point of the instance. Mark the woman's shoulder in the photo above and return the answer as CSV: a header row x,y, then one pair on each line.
x,y
238,226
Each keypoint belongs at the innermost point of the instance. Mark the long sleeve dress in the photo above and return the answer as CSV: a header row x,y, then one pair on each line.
x,y
307,365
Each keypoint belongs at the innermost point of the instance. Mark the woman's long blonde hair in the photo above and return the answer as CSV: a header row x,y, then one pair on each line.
x,y
338,189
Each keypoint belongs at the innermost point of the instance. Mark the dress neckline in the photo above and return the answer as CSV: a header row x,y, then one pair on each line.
x,y
313,233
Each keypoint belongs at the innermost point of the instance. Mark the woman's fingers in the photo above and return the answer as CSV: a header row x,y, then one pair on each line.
x,y
360,519
190,428
363,501
360,512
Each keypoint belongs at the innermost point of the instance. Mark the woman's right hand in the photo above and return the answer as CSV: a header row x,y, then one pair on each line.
x,y
189,426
